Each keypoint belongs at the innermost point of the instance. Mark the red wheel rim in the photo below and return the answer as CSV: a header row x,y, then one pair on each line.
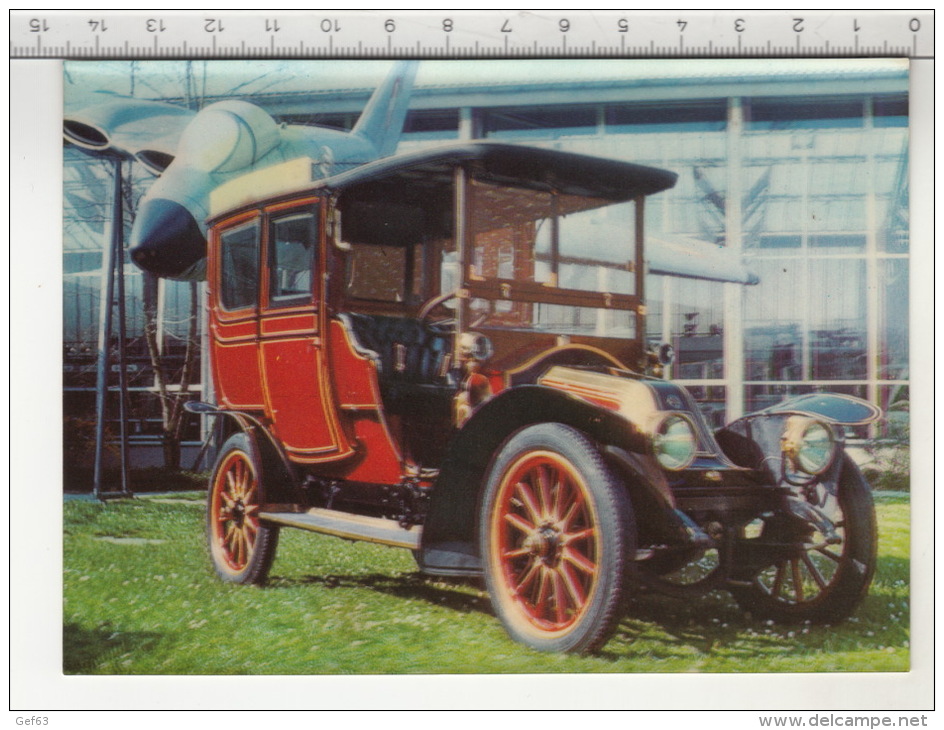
x,y
545,541
234,520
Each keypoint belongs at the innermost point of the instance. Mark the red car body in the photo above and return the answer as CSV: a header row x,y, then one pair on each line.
x,y
445,352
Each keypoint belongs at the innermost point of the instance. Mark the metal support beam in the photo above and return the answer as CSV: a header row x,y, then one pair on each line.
x,y
119,272
734,293
207,394
112,266
639,265
873,279
466,124
463,250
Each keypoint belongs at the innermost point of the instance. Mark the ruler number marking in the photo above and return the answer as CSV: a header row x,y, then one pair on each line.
x,y
896,40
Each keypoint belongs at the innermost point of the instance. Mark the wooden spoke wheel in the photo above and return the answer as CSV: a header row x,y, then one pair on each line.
x,y
821,580
557,539
241,546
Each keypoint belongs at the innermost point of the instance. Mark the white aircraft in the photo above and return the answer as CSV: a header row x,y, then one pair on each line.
x,y
195,153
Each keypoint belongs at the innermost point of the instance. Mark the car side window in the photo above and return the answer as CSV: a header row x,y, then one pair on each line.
x,y
291,258
239,266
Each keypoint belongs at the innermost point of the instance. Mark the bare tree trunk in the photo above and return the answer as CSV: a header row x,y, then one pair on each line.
x,y
157,363
174,425
173,415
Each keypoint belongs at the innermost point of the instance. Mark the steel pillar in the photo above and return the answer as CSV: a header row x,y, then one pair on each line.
x,y
112,268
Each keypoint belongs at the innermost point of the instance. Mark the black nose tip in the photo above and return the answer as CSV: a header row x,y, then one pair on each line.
x,y
165,239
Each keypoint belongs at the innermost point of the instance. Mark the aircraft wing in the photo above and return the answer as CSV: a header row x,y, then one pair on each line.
x,y
693,259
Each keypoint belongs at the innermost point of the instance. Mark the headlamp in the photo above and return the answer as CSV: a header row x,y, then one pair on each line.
x,y
808,445
674,441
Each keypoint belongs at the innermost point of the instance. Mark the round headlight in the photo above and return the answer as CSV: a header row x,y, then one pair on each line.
x,y
809,444
673,441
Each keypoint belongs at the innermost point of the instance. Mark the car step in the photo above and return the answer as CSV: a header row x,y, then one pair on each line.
x,y
349,526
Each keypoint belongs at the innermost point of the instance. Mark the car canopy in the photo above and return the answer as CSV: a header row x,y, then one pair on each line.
x,y
533,167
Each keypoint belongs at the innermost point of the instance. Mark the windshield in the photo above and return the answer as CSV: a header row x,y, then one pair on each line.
x,y
551,262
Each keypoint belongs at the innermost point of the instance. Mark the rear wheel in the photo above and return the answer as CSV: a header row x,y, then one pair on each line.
x,y
242,547
558,540
819,581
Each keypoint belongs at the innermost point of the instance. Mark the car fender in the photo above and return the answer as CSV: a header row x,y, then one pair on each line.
x,y
282,484
450,542
754,440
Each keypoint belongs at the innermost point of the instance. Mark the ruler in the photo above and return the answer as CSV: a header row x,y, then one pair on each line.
x,y
470,34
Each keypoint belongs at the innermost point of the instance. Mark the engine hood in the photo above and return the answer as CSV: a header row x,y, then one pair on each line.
x,y
641,400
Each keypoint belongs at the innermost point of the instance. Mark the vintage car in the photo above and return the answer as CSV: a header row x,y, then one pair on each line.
x,y
444,351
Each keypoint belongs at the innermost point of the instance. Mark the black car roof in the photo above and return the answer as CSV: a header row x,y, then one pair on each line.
x,y
565,172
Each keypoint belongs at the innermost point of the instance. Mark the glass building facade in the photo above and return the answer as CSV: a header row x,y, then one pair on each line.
x,y
805,173
88,184
811,189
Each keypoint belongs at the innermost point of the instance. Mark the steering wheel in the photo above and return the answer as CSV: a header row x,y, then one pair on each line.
x,y
426,311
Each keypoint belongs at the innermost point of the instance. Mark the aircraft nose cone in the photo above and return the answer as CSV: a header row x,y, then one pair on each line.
x,y
165,239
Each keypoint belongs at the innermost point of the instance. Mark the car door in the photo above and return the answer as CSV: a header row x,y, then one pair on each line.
x,y
296,388
234,312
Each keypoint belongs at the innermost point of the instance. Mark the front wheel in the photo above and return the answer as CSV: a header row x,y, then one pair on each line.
x,y
242,547
819,581
558,540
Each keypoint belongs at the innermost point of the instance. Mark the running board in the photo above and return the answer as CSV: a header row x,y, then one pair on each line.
x,y
349,526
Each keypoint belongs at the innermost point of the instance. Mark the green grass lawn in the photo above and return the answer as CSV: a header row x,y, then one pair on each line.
x,y
140,598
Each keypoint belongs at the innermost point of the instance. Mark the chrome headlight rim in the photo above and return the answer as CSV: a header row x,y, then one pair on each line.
x,y
659,434
802,439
